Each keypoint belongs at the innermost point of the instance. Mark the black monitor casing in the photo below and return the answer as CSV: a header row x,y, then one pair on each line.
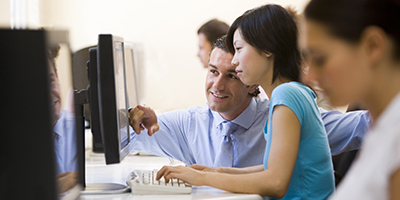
x,y
27,159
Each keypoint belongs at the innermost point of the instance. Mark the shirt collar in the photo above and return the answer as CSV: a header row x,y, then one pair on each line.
x,y
245,119
58,128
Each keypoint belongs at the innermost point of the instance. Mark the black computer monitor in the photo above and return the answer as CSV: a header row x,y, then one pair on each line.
x,y
131,90
107,97
81,76
28,115
113,107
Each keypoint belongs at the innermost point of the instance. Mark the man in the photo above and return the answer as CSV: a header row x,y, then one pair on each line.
x,y
63,130
207,34
194,136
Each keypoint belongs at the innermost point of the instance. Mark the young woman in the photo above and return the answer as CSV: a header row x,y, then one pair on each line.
x,y
297,163
354,54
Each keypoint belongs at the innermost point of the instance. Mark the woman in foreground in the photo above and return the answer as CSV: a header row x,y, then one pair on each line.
x,y
354,53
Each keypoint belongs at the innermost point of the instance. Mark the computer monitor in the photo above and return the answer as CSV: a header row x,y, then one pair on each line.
x,y
113,107
107,97
28,115
131,86
81,77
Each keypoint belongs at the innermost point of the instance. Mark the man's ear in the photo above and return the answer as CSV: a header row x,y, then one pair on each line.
x,y
252,88
374,43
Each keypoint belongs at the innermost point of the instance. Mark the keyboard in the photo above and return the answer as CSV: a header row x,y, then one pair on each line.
x,y
144,182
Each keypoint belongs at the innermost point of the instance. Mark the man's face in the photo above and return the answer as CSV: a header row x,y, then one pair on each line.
x,y
204,49
54,93
225,92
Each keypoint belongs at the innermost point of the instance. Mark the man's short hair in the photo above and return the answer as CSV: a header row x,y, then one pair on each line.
x,y
221,44
213,29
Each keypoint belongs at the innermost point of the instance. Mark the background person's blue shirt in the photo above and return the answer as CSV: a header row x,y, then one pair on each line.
x,y
312,176
191,136
66,149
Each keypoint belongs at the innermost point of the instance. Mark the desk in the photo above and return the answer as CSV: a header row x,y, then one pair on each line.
x,y
98,172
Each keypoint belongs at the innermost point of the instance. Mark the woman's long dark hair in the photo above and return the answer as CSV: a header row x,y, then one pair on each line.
x,y
347,19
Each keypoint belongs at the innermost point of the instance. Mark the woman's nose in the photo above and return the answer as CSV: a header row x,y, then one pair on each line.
x,y
234,62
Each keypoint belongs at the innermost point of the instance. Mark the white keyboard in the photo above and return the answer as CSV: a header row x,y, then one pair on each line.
x,y
144,182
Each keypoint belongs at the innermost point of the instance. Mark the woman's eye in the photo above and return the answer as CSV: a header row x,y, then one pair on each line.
x,y
319,61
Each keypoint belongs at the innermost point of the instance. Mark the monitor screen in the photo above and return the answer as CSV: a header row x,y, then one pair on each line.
x,y
113,106
120,89
131,74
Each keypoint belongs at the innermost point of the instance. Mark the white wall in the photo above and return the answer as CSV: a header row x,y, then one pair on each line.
x,y
4,14
167,29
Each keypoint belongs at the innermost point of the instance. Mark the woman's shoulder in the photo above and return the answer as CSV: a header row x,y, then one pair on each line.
x,y
290,88
293,92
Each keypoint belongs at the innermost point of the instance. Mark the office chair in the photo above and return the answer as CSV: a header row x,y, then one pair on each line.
x,y
341,163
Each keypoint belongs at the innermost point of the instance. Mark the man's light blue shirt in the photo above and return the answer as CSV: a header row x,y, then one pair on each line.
x,y
65,145
192,136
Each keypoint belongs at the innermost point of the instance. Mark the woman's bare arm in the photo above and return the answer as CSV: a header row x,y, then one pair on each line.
x,y
273,181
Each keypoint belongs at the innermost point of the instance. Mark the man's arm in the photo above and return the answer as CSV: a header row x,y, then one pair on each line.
x,y
162,135
345,130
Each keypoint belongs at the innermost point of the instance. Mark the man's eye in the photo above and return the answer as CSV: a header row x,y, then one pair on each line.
x,y
233,77
214,71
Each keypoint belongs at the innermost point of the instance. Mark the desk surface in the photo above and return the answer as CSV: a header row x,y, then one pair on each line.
x,y
98,172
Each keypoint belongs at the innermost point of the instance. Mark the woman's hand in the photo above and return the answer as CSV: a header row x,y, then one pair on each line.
x,y
186,174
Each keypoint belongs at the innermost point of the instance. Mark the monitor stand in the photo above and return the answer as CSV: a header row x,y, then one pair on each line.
x,y
81,98
104,188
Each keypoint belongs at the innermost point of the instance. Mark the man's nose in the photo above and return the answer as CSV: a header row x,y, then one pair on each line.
x,y
219,83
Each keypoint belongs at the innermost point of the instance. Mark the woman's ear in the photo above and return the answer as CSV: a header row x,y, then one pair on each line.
x,y
374,43
268,54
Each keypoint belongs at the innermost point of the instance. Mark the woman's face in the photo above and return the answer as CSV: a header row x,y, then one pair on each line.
x,y
252,65
337,65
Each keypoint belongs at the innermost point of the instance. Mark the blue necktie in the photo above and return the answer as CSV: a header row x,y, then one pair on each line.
x,y
225,155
